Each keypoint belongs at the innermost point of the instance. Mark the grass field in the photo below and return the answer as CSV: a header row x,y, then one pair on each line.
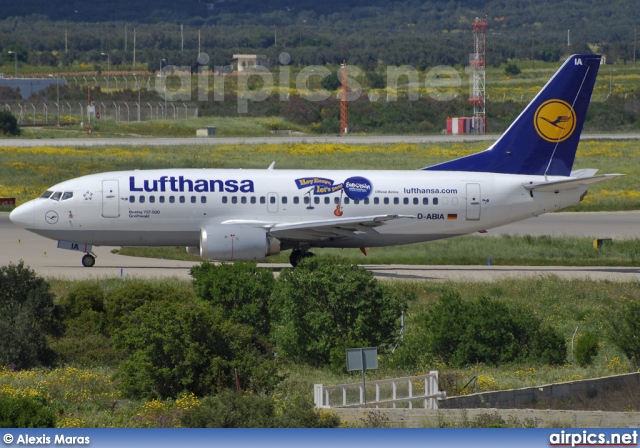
x,y
26,172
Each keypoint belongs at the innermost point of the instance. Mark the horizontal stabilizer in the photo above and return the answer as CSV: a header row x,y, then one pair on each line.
x,y
570,183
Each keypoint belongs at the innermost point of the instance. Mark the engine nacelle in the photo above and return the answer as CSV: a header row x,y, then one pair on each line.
x,y
193,250
236,243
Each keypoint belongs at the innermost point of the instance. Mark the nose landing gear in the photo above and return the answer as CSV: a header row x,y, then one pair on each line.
x,y
88,260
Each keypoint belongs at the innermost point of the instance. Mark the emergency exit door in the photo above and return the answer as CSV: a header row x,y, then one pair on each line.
x,y
473,202
110,199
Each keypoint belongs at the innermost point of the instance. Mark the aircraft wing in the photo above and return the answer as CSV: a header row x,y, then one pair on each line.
x,y
331,228
568,184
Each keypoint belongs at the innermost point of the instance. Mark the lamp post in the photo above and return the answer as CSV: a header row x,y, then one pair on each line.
x,y
164,85
108,68
15,57
58,97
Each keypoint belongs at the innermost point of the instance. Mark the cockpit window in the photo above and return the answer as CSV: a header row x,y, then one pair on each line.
x,y
56,196
67,195
46,194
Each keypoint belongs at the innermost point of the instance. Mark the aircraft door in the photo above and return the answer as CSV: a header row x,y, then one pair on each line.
x,y
473,202
272,202
110,199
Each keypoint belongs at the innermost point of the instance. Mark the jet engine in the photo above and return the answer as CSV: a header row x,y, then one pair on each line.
x,y
236,243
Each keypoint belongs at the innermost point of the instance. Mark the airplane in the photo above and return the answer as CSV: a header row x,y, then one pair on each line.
x,y
237,214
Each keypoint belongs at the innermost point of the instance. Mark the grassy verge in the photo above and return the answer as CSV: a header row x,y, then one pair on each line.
x,y
466,250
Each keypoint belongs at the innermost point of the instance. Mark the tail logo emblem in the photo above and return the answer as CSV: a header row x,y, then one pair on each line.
x,y
555,121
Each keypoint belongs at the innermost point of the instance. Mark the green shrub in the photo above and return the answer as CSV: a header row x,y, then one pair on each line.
x,y
189,346
327,305
231,409
18,411
512,70
481,331
8,124
240,289
586,349
624,328
27,316
121,302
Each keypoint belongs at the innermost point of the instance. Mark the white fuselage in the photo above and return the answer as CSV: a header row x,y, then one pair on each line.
x,y
169,207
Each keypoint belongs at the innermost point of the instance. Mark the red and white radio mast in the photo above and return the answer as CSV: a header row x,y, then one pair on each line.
x,y
478,64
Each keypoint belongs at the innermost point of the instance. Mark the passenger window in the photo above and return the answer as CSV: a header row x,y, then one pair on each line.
x,y
263,200
132,199
272,199
47,194
284,199
356,201
386,201
253,199
376,201
161,198
172,199
454,201
67,195
203,199
445,201
316,200
234,199
152,199
435,201
366,201
224,199
193,199
243,199
142,199
405,201
425,201
56,196
182,199
396,201
327,200
346,200
307,200
416,201
296,200
336,200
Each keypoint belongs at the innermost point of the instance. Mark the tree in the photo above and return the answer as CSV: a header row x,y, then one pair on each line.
x,y
625,330
189,346
327,305
483,330
240,289
512,70
27,316
331,82
586,348
8,124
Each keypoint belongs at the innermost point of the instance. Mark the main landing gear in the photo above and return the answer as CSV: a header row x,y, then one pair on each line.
x,y
297,255
88,260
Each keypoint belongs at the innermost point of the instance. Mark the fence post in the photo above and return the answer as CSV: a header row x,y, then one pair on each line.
x,y
317,395
410,394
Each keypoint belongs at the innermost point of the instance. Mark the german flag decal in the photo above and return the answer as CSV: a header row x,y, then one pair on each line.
x,y
452,216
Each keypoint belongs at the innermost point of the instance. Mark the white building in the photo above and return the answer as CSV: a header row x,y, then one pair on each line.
x,y
246,61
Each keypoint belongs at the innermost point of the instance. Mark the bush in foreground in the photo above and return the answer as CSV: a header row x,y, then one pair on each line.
x,y
18,411
231,409
327,305
484,331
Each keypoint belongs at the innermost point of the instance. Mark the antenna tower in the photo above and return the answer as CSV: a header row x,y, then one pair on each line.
x,y
344,114
478,64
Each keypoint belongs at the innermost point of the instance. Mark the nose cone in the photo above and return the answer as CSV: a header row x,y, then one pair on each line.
x,y
24,215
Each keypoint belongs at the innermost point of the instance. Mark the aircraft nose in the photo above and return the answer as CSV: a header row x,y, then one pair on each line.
x,y
24,215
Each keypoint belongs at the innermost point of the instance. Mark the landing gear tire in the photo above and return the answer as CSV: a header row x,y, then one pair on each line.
x,y
297,255
88,261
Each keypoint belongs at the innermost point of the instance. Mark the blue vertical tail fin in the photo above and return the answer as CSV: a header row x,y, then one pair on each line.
x,y
544,138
